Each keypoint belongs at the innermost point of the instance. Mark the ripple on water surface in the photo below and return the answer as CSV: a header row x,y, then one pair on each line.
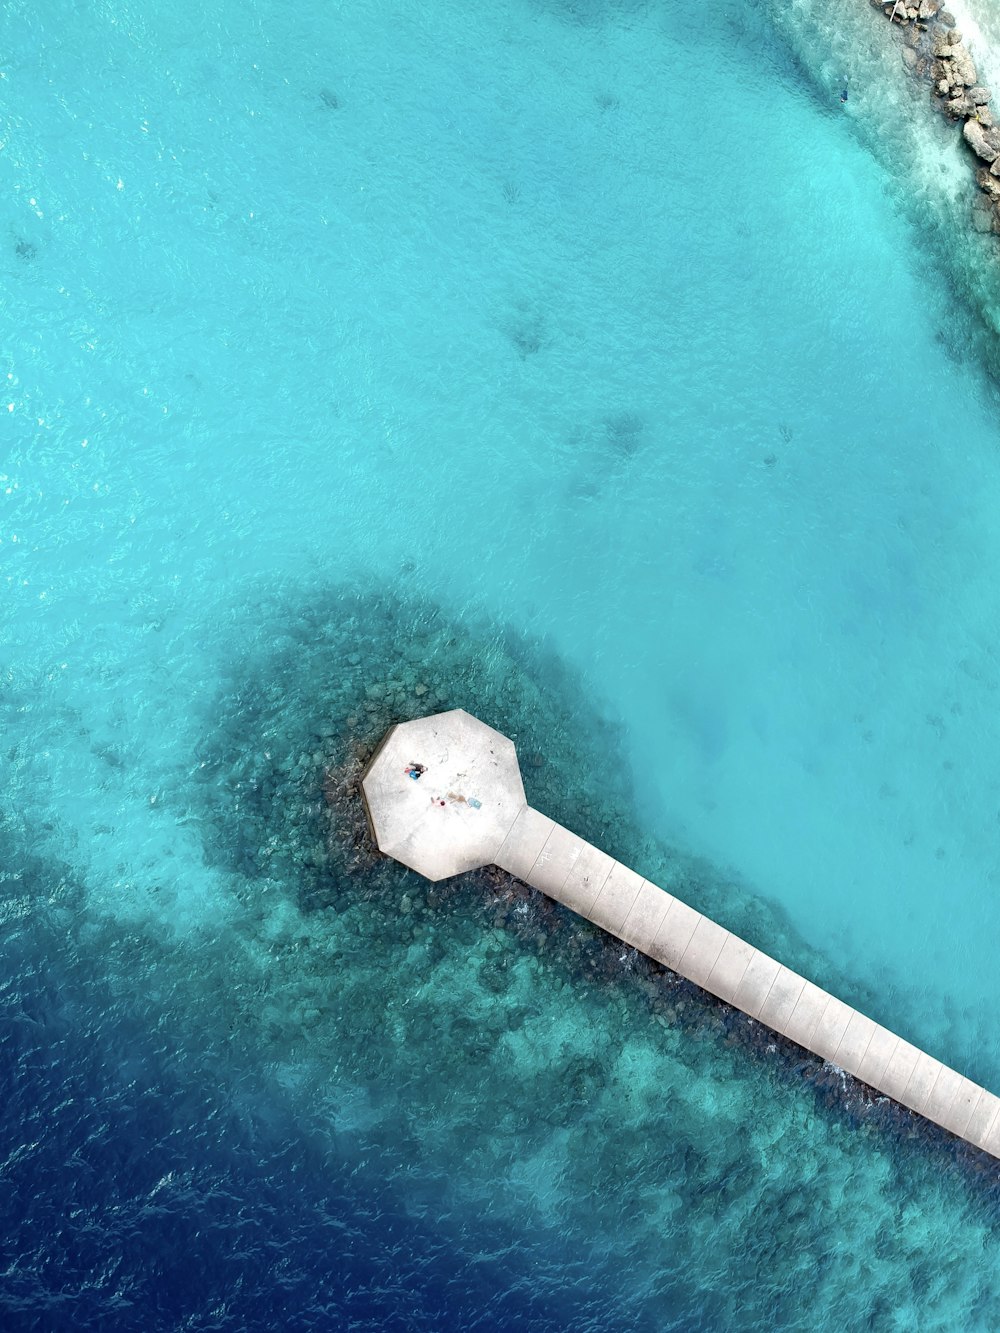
x,y
501,1068
252,1077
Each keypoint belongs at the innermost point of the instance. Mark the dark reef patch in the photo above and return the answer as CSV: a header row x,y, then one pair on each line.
x,y
468,1048
624,432
297,717
525,326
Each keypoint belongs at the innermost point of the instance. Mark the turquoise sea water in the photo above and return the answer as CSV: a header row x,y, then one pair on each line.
x,y
592,366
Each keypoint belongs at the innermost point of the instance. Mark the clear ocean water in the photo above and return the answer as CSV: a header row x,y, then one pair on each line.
x,y
586,364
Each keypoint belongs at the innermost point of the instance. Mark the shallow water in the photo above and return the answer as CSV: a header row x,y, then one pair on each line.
x,y
351,350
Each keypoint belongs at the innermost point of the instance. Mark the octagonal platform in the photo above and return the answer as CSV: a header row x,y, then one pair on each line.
x,y
442,793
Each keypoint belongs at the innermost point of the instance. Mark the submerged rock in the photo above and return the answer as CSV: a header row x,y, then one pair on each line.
x,y
983,142
982,219
963,66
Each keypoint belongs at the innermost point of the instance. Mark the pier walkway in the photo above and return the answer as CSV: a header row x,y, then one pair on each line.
x,y
444,795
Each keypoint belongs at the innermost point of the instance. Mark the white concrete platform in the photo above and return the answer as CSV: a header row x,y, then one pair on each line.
x,y
454,815
467,809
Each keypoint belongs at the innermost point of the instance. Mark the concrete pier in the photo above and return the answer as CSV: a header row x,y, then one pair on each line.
x,y
444,795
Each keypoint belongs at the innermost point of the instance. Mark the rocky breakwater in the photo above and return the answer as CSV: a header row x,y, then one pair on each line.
x,y
934,50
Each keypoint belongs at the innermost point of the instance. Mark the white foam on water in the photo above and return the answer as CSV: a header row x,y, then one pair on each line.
x,y
979,25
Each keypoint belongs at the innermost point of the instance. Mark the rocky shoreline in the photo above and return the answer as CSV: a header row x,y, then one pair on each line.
x,y
934,51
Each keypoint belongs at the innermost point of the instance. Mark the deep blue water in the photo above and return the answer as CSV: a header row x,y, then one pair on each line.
x,y
587,365
165,1192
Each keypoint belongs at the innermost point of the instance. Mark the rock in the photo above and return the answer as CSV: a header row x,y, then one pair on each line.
x,y
943,88
982,219
909,57
959,107
420,690
946,18
979,95
965,70
984,116
928,8
988,182
978,140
